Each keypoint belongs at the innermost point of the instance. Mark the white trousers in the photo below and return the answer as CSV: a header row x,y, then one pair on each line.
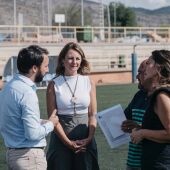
x,y
26,159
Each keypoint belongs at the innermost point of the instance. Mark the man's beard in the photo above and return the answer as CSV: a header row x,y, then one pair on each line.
x,y
140,85
39,77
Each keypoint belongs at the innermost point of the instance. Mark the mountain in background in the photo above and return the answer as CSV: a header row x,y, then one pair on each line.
x,y
42,12
37,13
152,18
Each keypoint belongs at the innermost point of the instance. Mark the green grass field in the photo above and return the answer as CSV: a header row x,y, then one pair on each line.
x,y
107,96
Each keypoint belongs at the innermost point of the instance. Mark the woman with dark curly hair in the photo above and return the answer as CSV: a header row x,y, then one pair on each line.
x,y
73,95
155,132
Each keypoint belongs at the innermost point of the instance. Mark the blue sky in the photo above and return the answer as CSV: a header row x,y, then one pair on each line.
x,y
148,4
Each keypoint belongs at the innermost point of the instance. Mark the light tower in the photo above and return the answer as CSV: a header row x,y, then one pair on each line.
x,y
101,13
15,15
82,13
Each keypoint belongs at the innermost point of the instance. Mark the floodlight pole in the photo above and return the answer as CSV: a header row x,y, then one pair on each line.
x,y
82,13
108,14
14,12
115,15
43,18
49,12
102,8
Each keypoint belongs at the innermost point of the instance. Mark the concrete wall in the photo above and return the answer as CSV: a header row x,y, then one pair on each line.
x,y
100,57
112,77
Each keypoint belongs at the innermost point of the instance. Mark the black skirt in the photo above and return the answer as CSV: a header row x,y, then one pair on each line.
x,y
60,157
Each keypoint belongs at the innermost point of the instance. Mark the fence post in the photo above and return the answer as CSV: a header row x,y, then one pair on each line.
x,y
134,65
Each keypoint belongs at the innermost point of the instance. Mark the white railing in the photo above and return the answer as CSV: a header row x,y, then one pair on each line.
x,y
56,34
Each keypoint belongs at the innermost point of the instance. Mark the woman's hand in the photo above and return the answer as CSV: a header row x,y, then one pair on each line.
x,y
77,146
73,146
136,136
83,144
128,125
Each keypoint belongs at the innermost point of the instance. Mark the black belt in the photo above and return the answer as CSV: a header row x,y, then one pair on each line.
x,y
28,148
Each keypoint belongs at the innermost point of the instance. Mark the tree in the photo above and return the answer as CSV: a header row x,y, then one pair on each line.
x,y
124,15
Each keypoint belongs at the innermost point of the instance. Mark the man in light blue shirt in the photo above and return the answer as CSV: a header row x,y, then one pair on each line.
x,y
20,124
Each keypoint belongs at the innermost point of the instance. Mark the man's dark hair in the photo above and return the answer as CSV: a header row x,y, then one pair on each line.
x,y
30,56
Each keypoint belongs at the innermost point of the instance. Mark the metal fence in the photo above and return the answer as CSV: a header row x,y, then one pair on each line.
x,y
59,34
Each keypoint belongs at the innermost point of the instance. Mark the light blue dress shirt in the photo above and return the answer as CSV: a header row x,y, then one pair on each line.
x,y
20,123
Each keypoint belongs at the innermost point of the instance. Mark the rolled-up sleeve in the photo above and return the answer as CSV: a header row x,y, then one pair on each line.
x,y
34,130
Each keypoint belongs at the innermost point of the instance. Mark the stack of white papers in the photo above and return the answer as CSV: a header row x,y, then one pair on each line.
x,y
110,121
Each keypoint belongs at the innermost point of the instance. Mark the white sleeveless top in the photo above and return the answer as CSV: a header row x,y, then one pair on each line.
x,y
63,94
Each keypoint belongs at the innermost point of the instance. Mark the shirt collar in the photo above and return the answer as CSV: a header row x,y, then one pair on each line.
x,y
26,80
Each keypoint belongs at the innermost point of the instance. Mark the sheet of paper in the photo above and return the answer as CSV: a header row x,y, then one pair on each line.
x,y
110,121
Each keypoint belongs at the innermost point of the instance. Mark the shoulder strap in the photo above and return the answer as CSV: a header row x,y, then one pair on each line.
x,y
155,94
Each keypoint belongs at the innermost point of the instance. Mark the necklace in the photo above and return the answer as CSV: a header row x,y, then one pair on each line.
x,y
73,98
